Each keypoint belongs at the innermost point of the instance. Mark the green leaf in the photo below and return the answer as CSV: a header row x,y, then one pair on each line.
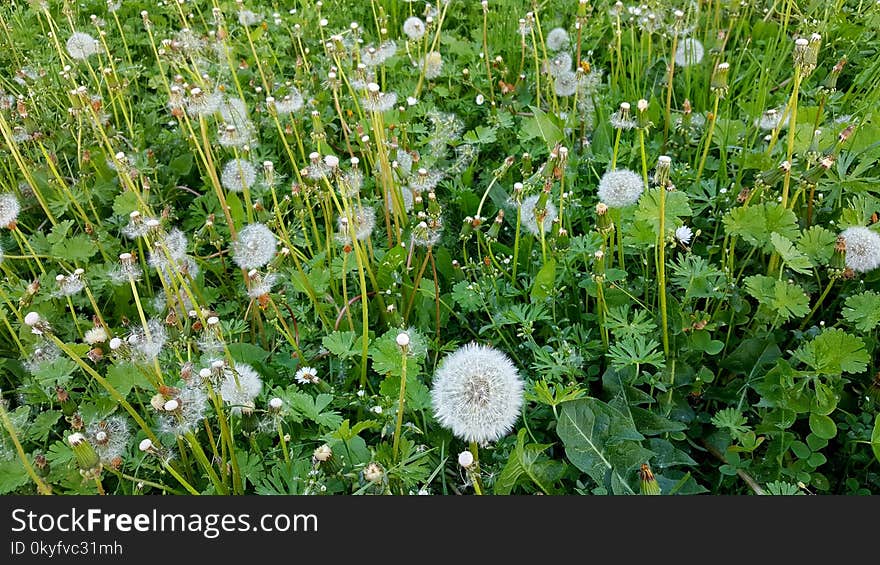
x,y
822,426
418,397
543,126
790,255
12,475
650,424
875,438
466,296
39,429
527,462
340,343
124,377
754,224
313,408
602,442
389,265
834,352
863,310
545,280
481,135
125,203
784,299
817,243
677,207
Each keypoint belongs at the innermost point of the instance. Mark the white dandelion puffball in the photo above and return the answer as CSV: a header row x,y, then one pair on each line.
x,y
433,64
565,83
9,209
559,64
254,247
240,386
414,28
238,175
361,223
557,39
689,52
862,249
477,393
529,219
81,46
620,188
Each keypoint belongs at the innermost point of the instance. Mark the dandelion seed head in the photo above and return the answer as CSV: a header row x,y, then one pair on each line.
x,y
9,209
81,46
620,187
361,222
862,249
559,64
529,218
432,64
477,393
414,28
689,52
254,247
684,234
240,386
565,83
95,335
238,175
557,39
192,404
146,343
109,437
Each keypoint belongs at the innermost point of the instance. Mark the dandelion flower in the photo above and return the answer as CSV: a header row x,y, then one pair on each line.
x,y
254,247
689,52
862,249
684,234
529,218
307,375
557,39
238,175
95,335
414,28
240,386
620,188
565,83
9,209
477,393
427,232
81,46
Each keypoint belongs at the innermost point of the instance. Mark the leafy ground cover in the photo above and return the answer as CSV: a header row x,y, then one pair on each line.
x,y
453,247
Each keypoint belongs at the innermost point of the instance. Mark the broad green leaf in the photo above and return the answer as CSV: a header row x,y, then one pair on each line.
x,y
817,243
784,299
834,352
822,426
754,224
541,125
341,344
677,207
125,376
544,281
527,462
650,424
602,442
12,475
875,438
790,255
863,310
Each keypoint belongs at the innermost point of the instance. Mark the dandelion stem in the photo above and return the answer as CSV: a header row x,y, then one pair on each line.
x,y
478,485
401,400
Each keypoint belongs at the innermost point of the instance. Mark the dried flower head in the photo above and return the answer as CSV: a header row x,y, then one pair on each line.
x,y
109,437
240,386
238,175
477,393
81,46
689,52
9,209
414,28
557,39
529,215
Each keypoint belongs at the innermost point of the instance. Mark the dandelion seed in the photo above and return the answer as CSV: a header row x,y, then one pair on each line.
x,y
466,459
684,234
9,209
377,101
146,343
557,39
126,270
529,216
307,375
559,64
862,249
248,18
192,403
621,119
477,393
427,233
322,453
414,28
81,46
110,438
240,386
71,284
260,285
42,354
254,247
203,104
238,175
689,52
620,188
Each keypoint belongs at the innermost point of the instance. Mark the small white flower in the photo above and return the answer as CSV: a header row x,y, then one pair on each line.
x,y
376,409
684,234
322,453
480,99
307,375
